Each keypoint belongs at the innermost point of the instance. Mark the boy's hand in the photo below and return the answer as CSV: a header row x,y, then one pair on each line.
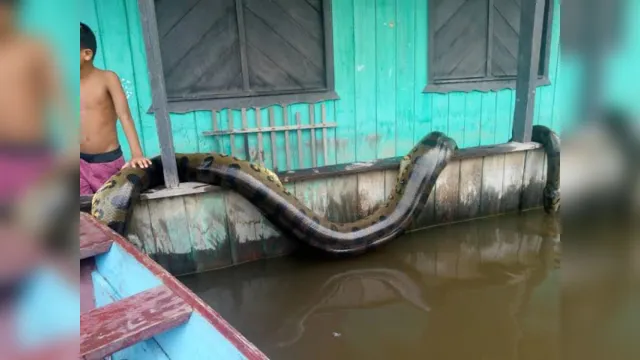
x,y
138,162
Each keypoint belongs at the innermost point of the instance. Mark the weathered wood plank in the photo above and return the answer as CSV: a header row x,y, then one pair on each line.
x,y
92,241
512,182
260,144
312,123
246,231
531,22
371,192
140,231
207,221
343,199
116,326
300,152
390,178
172,235
492,175
274,145
533,179
447,193
158,94
470,188
285,119
323,115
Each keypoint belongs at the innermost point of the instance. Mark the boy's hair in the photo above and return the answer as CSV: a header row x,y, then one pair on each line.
x,y
87,39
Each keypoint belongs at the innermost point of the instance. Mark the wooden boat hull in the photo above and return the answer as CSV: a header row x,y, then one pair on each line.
x,y
131,308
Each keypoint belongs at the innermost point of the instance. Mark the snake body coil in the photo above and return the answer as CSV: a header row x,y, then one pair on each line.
x,y
416,178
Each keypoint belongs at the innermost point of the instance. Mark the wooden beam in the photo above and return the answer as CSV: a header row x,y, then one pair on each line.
x,y
93,241
531,22
105,330
158,91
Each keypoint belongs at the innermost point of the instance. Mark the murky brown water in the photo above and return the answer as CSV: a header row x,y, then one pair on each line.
x,y
486,289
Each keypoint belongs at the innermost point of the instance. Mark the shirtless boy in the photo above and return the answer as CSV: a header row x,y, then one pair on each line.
x,y
102,102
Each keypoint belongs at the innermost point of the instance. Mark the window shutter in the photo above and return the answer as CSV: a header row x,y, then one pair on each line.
x,y
505,32
285,44
459,35
200,47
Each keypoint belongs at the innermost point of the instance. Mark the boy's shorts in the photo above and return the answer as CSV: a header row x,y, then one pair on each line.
x,y
96,169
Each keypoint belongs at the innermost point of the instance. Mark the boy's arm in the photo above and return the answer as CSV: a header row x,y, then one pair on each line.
x,y
124,114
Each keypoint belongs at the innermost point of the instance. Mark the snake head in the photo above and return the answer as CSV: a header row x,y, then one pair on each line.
x,y
551,199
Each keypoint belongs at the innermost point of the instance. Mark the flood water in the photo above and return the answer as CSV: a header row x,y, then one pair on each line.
x,y
486,289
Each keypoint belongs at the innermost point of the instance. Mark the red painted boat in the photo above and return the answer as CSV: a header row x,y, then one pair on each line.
x,y
131,308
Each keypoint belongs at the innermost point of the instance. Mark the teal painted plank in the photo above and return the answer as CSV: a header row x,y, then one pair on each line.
x,y
365,56
252,138
203,122
266,139
488,119
440,113
148,131
344,63
472,117
224,124
456,118
405,85
504,116
385,41
238,143
423,102
330,115
112,18
305,140
279,146
295,141
185,136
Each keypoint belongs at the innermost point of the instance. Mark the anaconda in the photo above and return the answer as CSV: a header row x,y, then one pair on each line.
x,y
416,179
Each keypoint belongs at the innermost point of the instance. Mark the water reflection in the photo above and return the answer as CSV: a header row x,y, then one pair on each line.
x,y
479,290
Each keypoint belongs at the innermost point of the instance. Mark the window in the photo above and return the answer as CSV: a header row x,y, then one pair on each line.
x,y
473,44
241,53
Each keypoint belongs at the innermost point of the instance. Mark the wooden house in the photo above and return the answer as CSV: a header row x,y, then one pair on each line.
x,y
329,94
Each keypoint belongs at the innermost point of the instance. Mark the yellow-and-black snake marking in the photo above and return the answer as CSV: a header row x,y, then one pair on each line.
x,y
416,178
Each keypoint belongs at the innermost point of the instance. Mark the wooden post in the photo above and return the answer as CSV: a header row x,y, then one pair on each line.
x,y
158,92
531,21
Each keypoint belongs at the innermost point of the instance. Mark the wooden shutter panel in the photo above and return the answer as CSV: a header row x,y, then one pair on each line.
x,y
459,35
200,47
506,32
285,44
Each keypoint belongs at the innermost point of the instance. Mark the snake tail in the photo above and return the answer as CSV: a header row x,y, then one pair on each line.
x,y
419,170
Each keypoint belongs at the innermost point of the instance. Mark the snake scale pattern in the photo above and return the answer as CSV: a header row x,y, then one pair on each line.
x,y
417,176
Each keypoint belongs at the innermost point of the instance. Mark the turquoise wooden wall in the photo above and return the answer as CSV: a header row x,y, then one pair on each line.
x,y
380,72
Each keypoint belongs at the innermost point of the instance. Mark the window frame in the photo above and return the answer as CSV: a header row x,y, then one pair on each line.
x,y
250,98
487,83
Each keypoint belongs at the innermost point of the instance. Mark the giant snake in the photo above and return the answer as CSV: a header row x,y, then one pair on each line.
x,y
419,170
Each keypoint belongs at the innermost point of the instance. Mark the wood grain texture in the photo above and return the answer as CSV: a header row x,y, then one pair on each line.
x,y
470,188
447,193
533,179
512,182
172,235
207,221
93,241
144,263
371,192
116,326
246,230
492,176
